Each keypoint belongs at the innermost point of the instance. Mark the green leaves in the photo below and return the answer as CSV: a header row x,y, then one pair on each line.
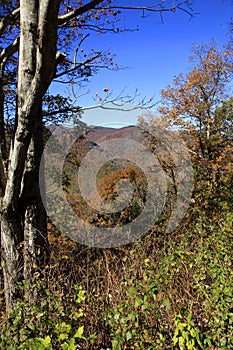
x,y
79,333
186,335
45,343
80,294
46,324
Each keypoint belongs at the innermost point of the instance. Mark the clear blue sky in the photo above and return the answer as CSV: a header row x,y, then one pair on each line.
x,y
154,54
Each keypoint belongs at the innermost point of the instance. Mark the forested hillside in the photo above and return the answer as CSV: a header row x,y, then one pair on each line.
x,y
112,239
164,291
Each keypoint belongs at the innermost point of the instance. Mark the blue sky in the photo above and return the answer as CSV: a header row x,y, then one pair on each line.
x,y
153,55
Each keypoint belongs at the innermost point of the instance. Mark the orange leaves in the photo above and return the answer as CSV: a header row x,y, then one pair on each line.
x,y
108,183
196,95
192,104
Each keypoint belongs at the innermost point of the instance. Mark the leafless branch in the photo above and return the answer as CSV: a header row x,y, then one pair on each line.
x,y
122,102
159,7
77,66
9,50
78,48
77,12
5,21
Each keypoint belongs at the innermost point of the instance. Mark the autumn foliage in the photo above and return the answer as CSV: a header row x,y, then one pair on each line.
x,y
198,105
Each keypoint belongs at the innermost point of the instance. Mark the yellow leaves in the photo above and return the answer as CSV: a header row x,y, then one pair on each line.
x,y
191,105
108,183
196,94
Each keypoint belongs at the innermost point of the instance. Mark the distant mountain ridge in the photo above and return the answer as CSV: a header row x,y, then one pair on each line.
x,y
101,132
94,135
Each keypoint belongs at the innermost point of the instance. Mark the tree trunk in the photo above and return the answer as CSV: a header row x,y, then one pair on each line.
x,y
23,216
33,213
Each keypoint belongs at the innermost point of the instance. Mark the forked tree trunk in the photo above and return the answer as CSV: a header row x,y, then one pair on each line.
x,y
12,236
23,216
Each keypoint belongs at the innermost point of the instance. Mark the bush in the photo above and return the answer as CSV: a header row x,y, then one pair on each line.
x,y
165,291
51,323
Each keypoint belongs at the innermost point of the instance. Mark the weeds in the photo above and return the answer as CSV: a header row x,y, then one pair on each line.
x,y
163,292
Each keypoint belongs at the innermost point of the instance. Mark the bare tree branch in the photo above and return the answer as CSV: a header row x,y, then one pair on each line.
x,y
122,102
78,48
5,21
76,66
9,50
159,7
77,12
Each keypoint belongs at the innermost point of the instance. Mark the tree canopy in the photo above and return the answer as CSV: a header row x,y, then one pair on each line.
x,y
198,106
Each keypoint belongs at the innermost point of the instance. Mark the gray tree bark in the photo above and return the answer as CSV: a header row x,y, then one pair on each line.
x,y
33,213
37,51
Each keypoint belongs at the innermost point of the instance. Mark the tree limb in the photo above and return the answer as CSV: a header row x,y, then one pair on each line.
x,y
155,8
122,103
77,66
61,111
77,12
5,21
9,50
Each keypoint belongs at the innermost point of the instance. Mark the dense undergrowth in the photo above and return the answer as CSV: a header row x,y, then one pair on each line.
x,y
166,291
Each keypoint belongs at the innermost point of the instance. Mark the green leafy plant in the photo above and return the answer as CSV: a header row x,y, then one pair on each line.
x,y
186,335
36,327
